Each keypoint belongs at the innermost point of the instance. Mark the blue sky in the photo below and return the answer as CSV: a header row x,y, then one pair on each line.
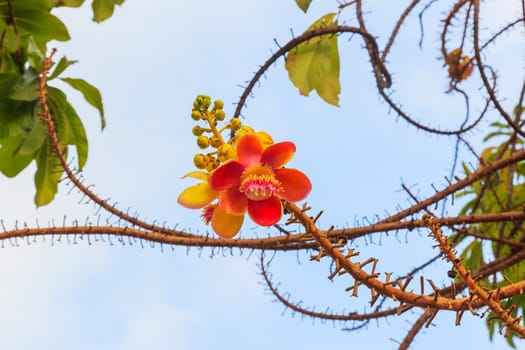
x,y
150,61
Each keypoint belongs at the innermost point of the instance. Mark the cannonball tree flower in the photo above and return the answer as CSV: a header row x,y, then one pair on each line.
x,y
257,181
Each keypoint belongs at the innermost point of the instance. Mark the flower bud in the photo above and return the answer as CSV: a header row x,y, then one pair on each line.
x,y
203,141
218,104
235,124
244,131
200,161
226,152
195,114
197,130
206,101
213,164
220,115
215,142
265,138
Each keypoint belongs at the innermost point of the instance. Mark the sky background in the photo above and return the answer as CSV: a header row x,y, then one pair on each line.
x,y
150,60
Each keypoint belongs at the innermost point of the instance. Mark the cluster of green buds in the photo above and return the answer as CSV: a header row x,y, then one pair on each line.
x,y
210,135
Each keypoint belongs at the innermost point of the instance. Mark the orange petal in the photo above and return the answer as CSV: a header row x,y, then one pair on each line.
x,y
249,150
278,154
267,212
198,196
226,225
227,175
233,201
296,185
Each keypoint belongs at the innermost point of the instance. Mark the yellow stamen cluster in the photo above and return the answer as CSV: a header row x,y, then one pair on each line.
x,y
258,183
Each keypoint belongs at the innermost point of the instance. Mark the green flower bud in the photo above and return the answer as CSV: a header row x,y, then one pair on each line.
x,y
206,101
203,141
220,115
195,114
218,104
199,101
197,130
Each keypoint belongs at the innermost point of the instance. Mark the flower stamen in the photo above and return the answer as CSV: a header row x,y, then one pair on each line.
x,y
207,213
259,183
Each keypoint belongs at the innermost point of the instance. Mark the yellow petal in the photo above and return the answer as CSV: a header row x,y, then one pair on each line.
x,y
199,175
198,196
226,225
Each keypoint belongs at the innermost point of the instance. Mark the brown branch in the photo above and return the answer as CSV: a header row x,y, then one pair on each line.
x,y
48,121
369,39
300,241
281,243
489,299
414,330
397,27
460,184
12,19
389,290
484,77
352,316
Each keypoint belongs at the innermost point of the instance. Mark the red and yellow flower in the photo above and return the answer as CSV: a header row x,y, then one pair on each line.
x,y
255,182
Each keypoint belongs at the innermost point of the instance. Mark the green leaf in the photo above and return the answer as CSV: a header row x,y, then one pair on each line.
x,y
315,64
303,4
7,82
62,65
33,137
57,103
473,255
10,163
79,138
35,55
11,40
67,3
39,5
69,126
15,117
103,9
91,95
27,88
7,63
518,110
48,173
41,24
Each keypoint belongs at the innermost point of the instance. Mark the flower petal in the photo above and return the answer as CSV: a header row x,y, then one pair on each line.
x,y
233,201
225,225
267,212
198,196
296,185
197,174
227,175
249,150
278,154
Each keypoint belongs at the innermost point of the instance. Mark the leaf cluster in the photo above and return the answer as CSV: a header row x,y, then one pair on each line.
x,y
27,27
